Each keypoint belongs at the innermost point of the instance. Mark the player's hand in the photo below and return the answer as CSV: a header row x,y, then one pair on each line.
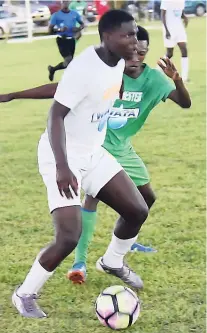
x,y
168,35
169,68
66,181
185,20
76,29
6,98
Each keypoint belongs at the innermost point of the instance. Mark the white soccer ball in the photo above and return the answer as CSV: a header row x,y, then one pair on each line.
x,y
117,307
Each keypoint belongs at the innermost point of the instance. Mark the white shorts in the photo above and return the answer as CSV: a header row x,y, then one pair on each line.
x,y
178,35
93,172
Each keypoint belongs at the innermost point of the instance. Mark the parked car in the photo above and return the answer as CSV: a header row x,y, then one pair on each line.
x,y
191,7
53,5
11,25
195,7
40,14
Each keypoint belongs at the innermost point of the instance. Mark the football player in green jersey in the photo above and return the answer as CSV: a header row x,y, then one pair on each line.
x,y
144,88
79,6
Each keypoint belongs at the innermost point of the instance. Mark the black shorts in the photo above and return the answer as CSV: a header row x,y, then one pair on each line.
x,y
66,46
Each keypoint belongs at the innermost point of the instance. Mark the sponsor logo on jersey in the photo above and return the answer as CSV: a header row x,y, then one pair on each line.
x,y
132,96
177,12
115,117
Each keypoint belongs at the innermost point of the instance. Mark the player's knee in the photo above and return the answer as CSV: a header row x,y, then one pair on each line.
x,y
169,53
150,200
67,237
153,198
66,242
90,203
184,52
67,60
142,212
138,213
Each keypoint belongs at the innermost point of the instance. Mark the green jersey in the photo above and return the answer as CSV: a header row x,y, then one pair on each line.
x,y
78,6
128,115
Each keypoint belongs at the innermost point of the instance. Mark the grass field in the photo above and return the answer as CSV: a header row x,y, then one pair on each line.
x,y
173,147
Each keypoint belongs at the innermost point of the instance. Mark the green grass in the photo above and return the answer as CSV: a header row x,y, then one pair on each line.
x,y
172,145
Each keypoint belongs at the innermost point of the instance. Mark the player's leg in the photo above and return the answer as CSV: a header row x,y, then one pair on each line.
x,y
67,223
66,48
122,195
169,45
182,43
66,216
184,60
169,52
77,274
137,171
69,51
148,194
52,69
149,197
113,187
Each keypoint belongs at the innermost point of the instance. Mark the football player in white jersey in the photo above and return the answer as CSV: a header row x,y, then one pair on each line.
x,y
70,156
174,19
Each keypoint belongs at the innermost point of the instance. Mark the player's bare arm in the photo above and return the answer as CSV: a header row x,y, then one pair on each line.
x,y
56,132
163,18
185,19
45,91
180,95
81,27
51,29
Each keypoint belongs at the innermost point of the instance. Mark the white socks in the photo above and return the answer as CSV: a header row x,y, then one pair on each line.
x,y
185,68
118,248
35,279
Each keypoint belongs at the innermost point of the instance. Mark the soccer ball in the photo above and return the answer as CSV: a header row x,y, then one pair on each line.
x,y
117,307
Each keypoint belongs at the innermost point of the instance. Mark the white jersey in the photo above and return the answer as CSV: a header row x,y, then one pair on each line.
x,y
88,88
174,9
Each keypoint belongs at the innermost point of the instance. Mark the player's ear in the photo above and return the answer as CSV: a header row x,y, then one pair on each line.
x,y
106,36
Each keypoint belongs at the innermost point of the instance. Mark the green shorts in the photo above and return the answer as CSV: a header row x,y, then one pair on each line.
x,y
134,167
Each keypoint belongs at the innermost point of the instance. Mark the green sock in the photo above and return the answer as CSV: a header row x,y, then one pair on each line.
x,y
88,226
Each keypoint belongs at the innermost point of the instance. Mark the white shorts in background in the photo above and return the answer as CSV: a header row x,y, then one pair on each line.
x,y
92,173
178,35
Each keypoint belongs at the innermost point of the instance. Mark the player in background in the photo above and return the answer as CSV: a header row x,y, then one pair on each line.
x,y
71,156
64,24
144,88
173,16
80,7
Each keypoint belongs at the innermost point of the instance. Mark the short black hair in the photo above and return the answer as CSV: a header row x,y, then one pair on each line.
x,y
142,34
113,19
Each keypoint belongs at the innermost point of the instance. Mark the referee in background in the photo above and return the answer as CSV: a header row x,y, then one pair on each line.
x,y
63,24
